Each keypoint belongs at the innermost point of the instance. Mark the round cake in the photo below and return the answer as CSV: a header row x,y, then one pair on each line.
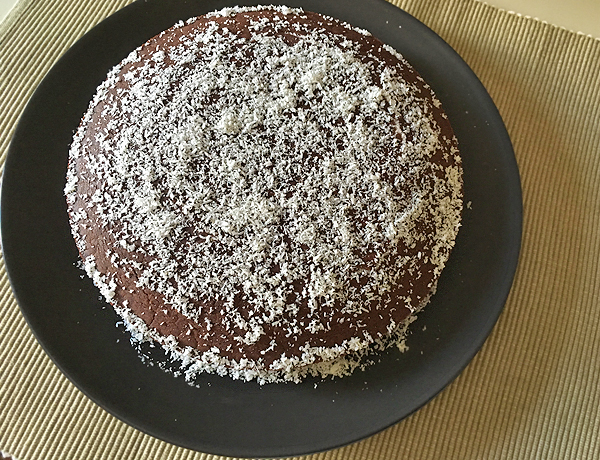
x,y
266,192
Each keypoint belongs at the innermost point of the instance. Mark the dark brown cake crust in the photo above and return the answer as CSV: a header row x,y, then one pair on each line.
x,y
118,259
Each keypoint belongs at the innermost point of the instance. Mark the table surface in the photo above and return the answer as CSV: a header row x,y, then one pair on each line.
x,y
576,15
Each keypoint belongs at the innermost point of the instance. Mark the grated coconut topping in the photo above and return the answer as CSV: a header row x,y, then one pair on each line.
x,y
277,154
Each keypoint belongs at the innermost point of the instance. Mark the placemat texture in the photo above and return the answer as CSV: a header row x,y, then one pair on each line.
x,y
532,391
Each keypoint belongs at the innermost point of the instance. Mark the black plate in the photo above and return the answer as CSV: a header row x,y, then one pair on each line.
x,y
229,417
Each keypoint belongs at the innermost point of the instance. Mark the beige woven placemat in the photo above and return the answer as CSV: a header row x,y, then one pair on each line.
x,y
534,389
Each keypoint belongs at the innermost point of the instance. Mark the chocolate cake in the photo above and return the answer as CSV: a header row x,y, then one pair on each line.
x,y
266,192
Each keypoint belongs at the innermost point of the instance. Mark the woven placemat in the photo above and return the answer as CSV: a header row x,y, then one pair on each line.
x,y
534,389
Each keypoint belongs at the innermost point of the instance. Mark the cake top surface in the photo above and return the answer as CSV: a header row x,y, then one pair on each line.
x,y
276,177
